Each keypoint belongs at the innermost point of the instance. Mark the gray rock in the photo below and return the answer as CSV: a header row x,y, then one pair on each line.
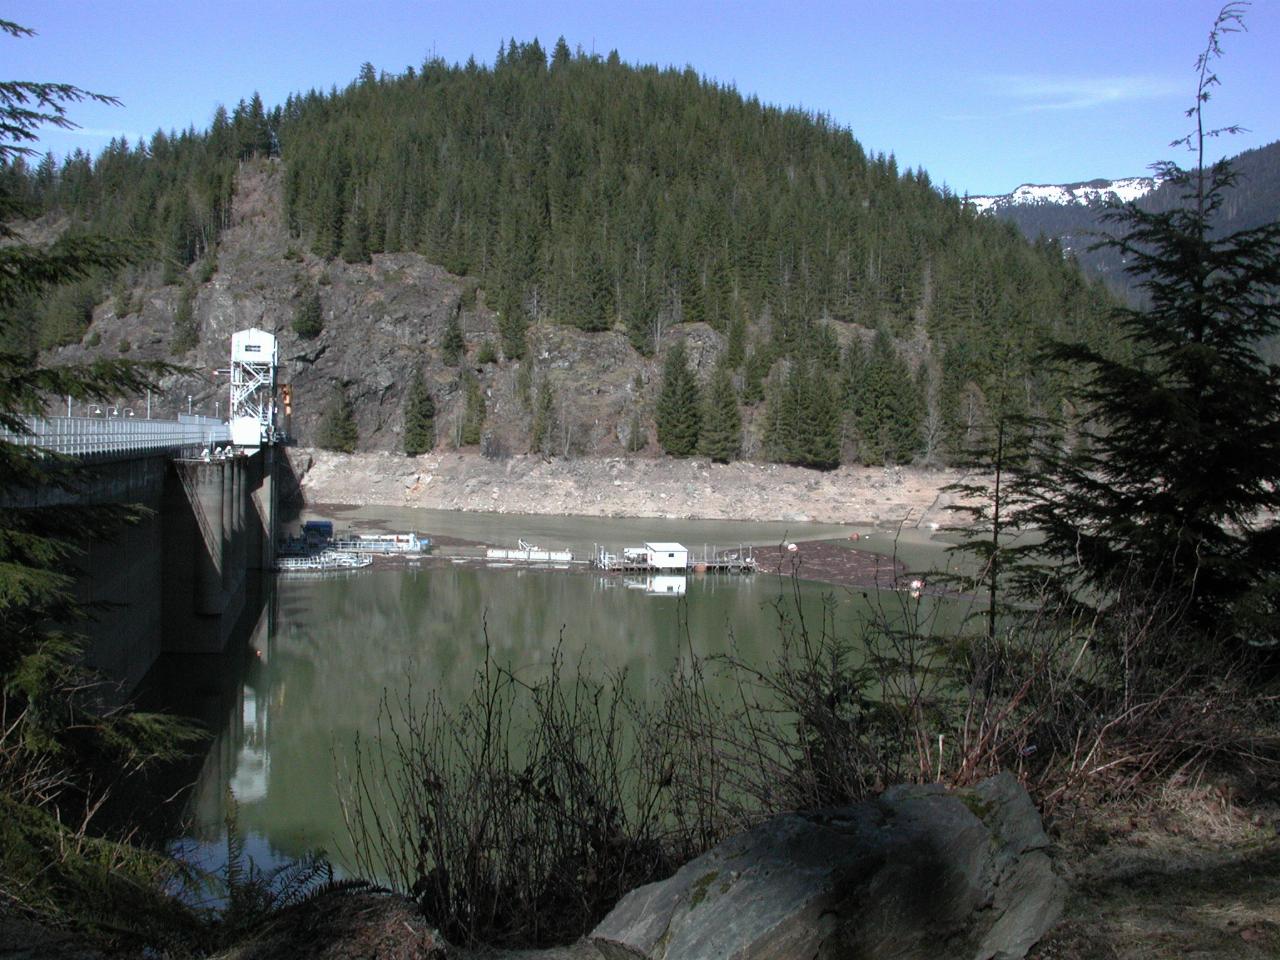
x,y
918,873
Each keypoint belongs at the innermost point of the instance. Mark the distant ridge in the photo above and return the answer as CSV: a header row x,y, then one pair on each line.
x,y
1084,193
1069,213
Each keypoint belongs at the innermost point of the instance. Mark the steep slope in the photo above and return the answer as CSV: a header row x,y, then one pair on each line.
x,y
381,322
576,217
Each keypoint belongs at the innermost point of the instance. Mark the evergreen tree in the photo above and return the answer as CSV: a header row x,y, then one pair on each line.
x,y
453,346
722,424
988,500
679,412
338,429
308,318
524,386
886,406
785,407
637,438
186,334
821,445
736,348
474,410
757,368
355,237
1182,459
419,418
803,426
543,427
512,324
57,731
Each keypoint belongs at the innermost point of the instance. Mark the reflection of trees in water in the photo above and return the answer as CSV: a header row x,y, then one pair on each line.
x,y
340,643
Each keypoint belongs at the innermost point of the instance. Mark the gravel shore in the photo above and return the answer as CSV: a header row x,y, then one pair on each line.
x,y
626,487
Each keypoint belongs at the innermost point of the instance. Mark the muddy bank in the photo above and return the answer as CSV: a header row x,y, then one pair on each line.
x,y
625,487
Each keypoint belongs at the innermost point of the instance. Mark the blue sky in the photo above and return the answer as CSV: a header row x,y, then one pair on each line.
x,y
984,95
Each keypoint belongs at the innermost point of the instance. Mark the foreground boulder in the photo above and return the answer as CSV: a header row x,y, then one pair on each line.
x,y
920,872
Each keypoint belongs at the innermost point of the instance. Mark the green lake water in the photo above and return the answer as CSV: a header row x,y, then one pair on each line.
x,y
327,647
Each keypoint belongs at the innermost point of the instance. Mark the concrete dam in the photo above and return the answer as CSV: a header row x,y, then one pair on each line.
x,y
178,580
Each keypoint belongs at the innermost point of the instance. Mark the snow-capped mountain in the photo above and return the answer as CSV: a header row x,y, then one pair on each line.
x,y
1086,193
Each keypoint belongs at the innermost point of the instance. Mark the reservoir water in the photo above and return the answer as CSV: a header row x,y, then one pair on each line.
x,y
288,704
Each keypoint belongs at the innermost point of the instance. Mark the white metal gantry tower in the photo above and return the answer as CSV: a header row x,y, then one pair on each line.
x,y
252,409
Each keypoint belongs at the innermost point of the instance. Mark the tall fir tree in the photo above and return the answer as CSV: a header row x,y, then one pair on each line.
x,y
786,403
453,346
821,449
65,750
338,430
419,418
513,323
722,424
543,427
1181,465
886,406
679,413
474,410
355,236
308,318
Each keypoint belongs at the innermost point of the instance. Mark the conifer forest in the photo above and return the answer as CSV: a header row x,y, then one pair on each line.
x,y
863,310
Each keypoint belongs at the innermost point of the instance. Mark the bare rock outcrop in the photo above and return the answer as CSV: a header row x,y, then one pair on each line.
x,y
919,872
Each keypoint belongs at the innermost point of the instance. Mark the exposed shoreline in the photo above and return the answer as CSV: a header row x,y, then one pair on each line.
x,y
627,487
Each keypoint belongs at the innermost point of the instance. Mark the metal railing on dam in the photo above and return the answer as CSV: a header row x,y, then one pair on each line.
x,y
97,436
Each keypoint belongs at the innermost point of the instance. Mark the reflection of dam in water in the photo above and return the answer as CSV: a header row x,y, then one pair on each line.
x,y
313,673
253,762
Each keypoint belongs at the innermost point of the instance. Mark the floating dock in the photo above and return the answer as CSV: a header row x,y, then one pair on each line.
x,y
674,558
317,549
526,552
317,536
405,543
324,561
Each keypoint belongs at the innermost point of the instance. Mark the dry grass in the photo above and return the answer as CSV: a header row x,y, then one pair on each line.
x,y
1187,871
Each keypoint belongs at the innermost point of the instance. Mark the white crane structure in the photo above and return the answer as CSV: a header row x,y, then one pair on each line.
x,y
252,410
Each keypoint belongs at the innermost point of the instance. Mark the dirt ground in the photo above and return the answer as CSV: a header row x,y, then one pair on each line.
x,y
1190,873
626,487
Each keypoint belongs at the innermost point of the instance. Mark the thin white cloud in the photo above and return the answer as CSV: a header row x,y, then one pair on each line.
x,y
101,133
1037,93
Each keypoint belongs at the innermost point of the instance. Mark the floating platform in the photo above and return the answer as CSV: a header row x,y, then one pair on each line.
x,y
675,559
318,537
323,561
401,543
526,552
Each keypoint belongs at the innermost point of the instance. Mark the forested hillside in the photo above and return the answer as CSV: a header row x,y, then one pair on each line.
x,y
855,310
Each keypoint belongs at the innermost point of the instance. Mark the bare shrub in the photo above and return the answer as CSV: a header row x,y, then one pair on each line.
x,y
519,817
523,815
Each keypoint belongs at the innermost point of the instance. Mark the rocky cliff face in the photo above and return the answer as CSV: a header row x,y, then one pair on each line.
x,y
381,321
